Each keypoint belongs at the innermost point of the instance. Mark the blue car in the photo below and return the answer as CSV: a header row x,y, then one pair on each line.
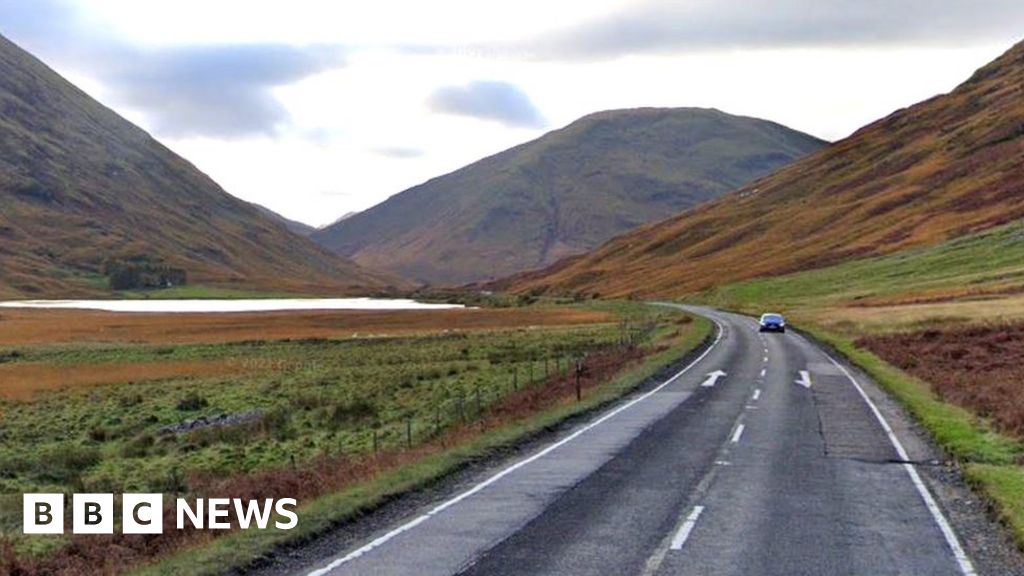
x,y
772,323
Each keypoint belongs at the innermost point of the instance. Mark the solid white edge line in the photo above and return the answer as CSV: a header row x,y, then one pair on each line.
x,y
737,434
441,507
940,519
684,531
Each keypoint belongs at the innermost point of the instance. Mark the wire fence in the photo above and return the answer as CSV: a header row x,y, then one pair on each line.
x,y
474,405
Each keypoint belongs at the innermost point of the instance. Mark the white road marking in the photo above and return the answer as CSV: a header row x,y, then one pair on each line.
x,y
763,372
684,531
757,394
445,505
805,379
736,435
765,357
723,462
947,531
712,378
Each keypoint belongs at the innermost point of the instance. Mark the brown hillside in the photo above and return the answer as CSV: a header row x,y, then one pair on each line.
x,y
79,184
948,166
564,193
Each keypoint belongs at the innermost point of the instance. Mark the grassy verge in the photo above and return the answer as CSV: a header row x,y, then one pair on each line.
x,y
242,548
1004,485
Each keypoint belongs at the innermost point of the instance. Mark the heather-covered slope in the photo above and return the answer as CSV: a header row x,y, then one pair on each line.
x,y
943,168
564,193
80,185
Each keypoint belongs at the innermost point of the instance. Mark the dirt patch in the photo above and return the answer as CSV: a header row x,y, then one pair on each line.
x,y
77,326
980,368
22,380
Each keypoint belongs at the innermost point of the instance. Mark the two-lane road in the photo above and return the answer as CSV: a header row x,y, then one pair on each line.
x,y
763,457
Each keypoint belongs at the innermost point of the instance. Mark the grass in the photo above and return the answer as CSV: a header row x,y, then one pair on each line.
x,y
332,390
972,279
968,266
304,404
239,548
1004,486
82,329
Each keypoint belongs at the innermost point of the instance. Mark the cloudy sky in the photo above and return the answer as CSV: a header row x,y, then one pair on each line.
x,y
315,108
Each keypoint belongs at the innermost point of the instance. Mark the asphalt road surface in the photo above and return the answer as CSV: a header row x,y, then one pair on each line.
x,y
784,465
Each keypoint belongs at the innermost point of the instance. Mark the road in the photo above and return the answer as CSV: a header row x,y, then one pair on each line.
x,y
783,465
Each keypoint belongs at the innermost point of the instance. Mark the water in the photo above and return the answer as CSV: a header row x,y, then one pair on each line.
x,y
212,306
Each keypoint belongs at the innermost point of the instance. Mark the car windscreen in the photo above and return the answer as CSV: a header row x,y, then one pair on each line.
x,y
774,318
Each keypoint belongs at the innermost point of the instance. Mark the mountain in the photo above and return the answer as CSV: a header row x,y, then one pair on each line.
x,y
564,193
944,168
84,192
294,226
341,218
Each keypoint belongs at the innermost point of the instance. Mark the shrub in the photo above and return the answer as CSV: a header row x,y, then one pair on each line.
x,y
139,446
192,402
355,411
66,462
141,272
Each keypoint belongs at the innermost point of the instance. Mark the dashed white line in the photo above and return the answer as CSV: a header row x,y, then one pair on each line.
x,y
684,531
757,394
449,503
763,372
947,531
737,434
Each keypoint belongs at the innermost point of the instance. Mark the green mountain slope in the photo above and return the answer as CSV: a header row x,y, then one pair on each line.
x,y
80,185
985,265
564,193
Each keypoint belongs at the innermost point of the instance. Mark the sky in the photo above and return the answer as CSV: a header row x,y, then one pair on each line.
x,y
317,108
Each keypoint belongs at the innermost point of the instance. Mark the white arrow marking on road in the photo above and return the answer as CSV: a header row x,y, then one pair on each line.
x,y
805,379
712,378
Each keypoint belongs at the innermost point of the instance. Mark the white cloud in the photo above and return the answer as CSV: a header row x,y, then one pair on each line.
x,y
344,136
488,100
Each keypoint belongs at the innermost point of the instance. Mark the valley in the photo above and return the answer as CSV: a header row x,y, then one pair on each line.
x,y
567,375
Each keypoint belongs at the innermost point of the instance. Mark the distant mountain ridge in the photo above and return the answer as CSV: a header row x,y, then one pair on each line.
x,y
563,193
80,186
946,167
294,226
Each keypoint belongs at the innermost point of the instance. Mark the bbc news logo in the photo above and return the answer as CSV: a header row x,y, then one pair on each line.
x,y
144,513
